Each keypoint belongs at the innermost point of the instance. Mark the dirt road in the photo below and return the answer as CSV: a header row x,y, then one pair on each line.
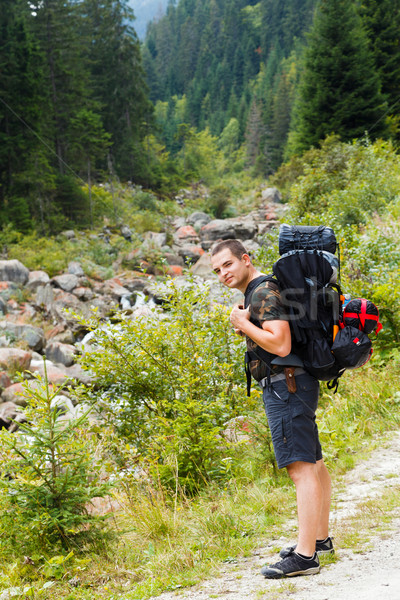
x,y
372,574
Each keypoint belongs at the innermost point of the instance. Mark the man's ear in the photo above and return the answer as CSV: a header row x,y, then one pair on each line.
x,y
246,259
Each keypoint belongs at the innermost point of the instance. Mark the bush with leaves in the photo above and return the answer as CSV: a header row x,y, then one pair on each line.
x,y
51,472
170,381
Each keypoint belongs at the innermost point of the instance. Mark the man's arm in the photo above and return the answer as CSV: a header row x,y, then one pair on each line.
x,y
274,336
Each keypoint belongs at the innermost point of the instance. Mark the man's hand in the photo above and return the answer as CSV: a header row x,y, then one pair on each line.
x,y
239,317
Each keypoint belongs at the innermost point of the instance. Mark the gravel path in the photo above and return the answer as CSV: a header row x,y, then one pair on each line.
x,y
370,575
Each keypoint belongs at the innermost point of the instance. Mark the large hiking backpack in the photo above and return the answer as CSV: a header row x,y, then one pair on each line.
x,y
307,276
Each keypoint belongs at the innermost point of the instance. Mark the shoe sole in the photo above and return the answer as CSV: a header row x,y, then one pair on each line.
x,y
281,575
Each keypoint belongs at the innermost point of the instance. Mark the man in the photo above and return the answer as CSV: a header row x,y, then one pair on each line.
x,y
290,406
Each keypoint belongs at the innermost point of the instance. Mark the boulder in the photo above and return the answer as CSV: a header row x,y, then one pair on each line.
x,y
174,259
14,358
55,375
203,267
271,194
5,381
45,296
126,233
67,282
186,235
218,229
77,373
17,392
245,228
61,353
83,293
69,234
191,253
266,226
33,336
251,246
198,219
36,279
13,270
115,288
160,239
75,268
10,416
174,271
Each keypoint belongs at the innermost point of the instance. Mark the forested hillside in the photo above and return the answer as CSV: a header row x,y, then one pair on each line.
x,y
249,71
222,92
73,104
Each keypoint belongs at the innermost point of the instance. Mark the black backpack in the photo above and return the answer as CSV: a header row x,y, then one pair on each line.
x,y
307,277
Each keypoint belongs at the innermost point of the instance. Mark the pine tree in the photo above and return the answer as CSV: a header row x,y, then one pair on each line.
x,y
118,82
339,91
56,26
21,85
382,22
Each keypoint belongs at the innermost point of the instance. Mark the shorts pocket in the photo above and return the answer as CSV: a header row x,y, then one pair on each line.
x,y
282,438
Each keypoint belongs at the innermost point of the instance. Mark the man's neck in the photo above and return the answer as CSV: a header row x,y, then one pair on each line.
x,y
253,275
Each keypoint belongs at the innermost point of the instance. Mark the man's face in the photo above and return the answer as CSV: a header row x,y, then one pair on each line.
x,y
232,271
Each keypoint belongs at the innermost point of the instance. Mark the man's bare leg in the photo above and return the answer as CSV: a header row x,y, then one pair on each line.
x,y
325,479
312,502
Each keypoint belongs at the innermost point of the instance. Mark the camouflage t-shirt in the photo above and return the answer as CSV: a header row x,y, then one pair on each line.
x,y
265,305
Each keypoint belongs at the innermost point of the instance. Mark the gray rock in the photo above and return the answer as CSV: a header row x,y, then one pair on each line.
x,y
218,229
271,194
84,293
75,268
33,336
13,270
3,306
251,246
10,416
199,218
126,232
76,372
69,234
66,281
114,288
174,259
160,239
14,358
45,296
37,279
203,267
191,253
61,353
244,228
186,235
16,392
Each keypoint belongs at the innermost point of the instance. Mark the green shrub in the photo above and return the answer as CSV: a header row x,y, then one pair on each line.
x,y
170,382
53,473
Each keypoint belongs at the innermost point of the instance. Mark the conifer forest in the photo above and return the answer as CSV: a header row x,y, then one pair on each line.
x,y
83,100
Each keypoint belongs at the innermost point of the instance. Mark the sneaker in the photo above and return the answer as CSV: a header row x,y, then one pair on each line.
x,y
321,547
291,566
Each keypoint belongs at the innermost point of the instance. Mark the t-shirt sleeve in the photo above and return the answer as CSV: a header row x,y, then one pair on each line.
x,y
266,305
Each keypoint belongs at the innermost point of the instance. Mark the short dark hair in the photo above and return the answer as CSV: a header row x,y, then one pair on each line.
x,y
234,246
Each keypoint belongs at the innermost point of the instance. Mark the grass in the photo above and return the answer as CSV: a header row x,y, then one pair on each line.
x,y
169,541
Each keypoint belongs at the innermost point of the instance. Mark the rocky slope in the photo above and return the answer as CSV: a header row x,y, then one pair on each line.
x,y
34,320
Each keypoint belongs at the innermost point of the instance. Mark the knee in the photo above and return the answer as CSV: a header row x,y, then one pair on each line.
x,y
296,471
301,472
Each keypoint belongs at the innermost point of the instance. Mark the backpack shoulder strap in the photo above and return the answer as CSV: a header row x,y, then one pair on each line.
x,y
254,284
